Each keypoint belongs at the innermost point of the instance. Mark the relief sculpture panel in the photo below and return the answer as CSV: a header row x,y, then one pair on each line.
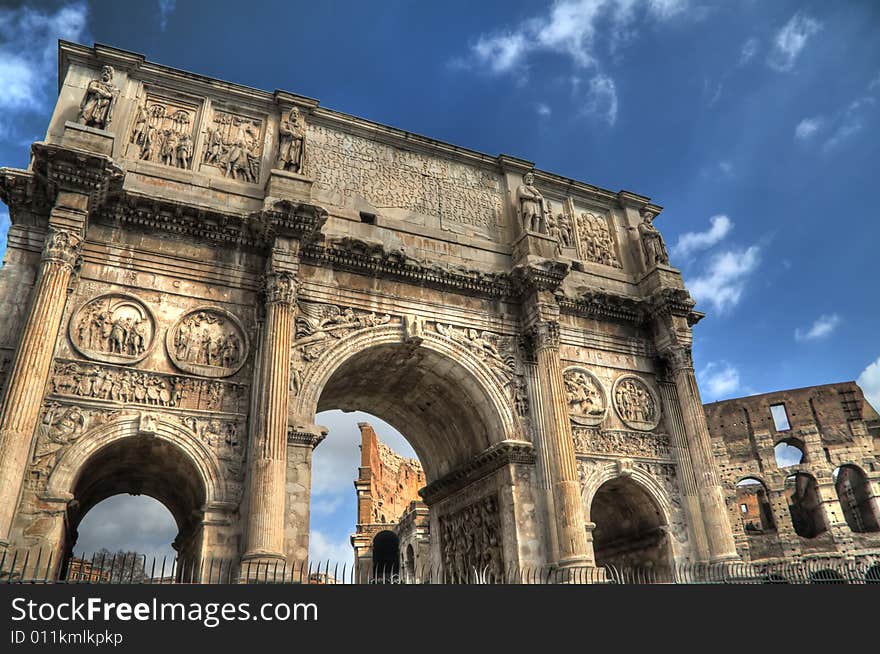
x,y
234,146
163,132
114,328
208,341
471,541
595,242
587,403
636,403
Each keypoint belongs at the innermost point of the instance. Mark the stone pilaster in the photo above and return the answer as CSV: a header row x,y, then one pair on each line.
x,y
267,459
571,537
719,535
301,443
33,358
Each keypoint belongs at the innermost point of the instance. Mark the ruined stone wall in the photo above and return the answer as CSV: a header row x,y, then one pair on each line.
x,y
834,426
394,481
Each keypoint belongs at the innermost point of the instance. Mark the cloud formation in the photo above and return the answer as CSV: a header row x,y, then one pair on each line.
x,y
691,242
323,549
724,279
821,327
791,40
869,381
134,523
807,128
166,8
718,380
28,57
570,28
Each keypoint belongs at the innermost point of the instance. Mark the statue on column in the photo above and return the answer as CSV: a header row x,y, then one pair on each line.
x,y
531,205
96,107
291,145
652,241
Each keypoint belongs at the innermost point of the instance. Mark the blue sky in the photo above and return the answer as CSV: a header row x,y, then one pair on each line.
x,y
753,123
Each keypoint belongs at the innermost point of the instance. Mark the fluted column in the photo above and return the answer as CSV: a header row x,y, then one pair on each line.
x,y
33,358
719,535
557,438
267,461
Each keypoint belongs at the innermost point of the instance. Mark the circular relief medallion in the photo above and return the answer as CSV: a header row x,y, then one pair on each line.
x,y
635,403
114,328
587,402
208,341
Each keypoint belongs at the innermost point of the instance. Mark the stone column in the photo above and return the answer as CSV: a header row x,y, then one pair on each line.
x,y
719,535
267,458
557,438
33,358
301,443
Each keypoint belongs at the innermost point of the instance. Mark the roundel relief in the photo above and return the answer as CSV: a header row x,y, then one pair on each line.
x,y
208,341
114,328
636,403
587,403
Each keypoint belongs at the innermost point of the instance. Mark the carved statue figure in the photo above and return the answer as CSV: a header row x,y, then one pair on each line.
x,y
531,205
291,142
565,230
96,108
652,241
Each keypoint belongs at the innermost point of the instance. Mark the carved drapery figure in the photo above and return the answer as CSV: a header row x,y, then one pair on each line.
x,y
233,144
291,145
652,241
96,108
163,134
532,206
595,240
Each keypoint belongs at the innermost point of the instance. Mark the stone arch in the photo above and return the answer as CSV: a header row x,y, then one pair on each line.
x,y
856,498
805,505
752,492
649,504
475,395
101,462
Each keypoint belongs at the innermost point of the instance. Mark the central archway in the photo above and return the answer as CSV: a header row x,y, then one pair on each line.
x,y
448,402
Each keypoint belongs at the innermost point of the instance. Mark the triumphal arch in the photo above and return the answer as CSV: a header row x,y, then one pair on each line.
x,y
196,268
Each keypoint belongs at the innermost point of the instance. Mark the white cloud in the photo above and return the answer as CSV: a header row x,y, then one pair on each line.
x,y
134,523
543,109
166,8
869,381
849,123
807,128
749,50
28,57
822,327
691,242
323,549
603,99
874,83
725,167
790,41
718,380
723,281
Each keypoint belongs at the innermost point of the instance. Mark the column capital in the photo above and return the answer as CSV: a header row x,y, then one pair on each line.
x,y
62,246
678,358
280,287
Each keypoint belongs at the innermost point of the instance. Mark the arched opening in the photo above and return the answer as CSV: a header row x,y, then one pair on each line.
x,y
386,556
789,452
447,404
410,562
141,465
856,499
753,506
805,505
630,527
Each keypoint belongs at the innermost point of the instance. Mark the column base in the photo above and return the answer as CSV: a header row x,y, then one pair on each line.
x,y
260,567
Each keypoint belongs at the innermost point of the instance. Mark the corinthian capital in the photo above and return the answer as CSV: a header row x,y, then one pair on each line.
x,y
62,246
281,288
540,336
678,358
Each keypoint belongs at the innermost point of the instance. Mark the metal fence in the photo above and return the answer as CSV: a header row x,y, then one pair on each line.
x,y
37,567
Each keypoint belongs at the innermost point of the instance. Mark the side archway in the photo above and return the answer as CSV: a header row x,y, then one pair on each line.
x,y
141,456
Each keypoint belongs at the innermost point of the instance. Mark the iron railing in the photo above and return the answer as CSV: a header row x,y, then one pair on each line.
x,y
38,567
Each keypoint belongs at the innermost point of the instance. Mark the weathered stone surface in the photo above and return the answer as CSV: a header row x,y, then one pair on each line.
x,y
246,259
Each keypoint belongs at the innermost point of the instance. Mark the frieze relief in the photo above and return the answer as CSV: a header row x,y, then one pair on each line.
x,y
208,341
163,132
113,328
595,242
636,403
587,402
471,541
388,177
226,437
234,146
124,386
617,442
